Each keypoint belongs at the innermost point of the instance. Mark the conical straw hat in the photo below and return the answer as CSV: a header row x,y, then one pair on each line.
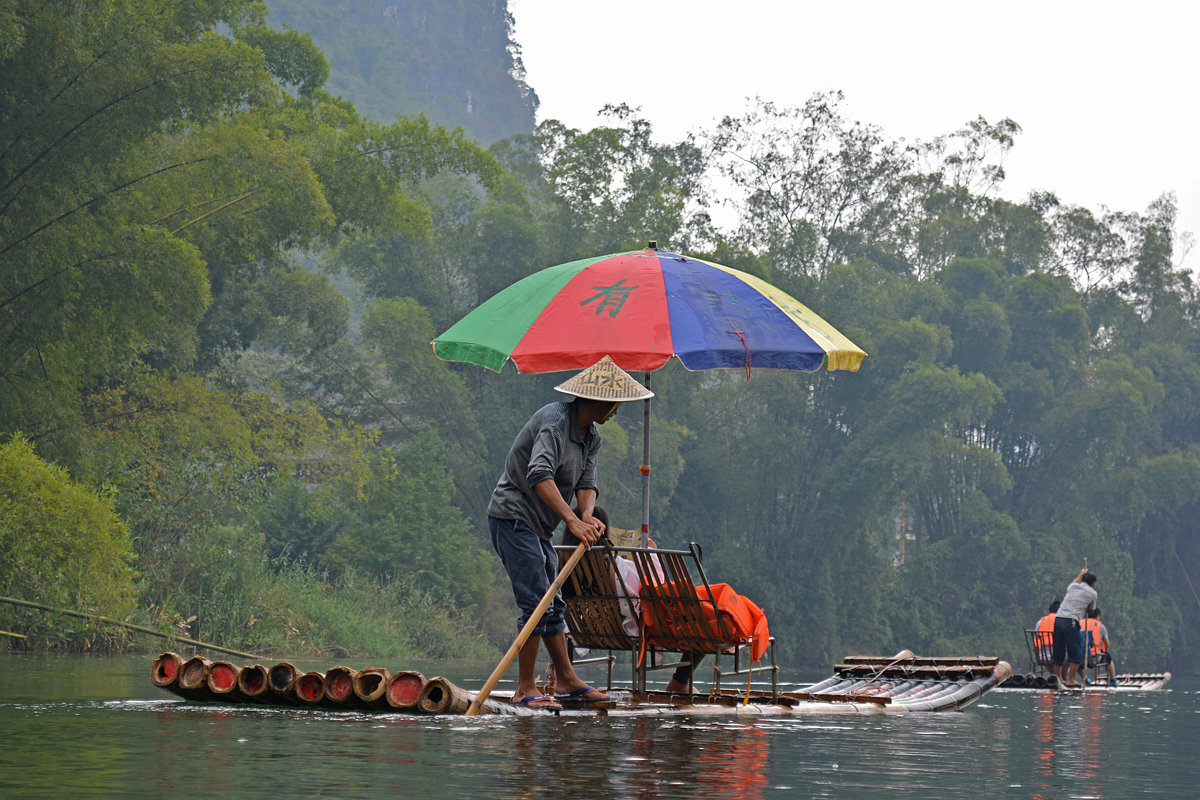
x,y
604,380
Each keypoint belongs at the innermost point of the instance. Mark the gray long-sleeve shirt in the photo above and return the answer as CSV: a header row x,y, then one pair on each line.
x,y
548,447
1079,599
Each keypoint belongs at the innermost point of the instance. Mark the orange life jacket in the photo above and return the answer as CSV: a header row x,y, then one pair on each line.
x,y
744,621
1093,627
1046,623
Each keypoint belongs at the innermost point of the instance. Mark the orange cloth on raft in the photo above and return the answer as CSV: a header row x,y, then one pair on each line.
x,y
744,621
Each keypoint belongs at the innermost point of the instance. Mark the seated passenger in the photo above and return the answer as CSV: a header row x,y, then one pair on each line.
x,y
629,588
1098,653
1043,640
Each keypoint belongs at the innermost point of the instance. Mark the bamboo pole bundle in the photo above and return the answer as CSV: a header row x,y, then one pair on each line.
x,y
252,683
440,696
310,688
370,685
404,689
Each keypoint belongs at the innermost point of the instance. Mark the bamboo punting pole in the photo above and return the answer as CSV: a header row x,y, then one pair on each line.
x,y
404,689
126,625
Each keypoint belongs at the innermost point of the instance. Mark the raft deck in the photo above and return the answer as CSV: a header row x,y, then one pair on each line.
x,y
861,685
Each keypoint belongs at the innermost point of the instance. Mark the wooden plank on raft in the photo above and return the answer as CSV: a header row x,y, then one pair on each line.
x,y
928,661
826,697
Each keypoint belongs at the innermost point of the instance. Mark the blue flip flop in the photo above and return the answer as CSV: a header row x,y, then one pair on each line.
x,y
540,698
578,694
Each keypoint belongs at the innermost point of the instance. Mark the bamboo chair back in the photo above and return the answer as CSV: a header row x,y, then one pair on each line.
x,y
668,597
1041,650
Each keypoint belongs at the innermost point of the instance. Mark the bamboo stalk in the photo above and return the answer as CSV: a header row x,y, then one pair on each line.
x,y
127,625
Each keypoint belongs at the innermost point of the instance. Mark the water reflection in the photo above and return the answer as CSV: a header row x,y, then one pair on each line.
x,y
72,734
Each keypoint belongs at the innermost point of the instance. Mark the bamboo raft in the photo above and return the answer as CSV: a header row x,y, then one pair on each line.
x,y
860,685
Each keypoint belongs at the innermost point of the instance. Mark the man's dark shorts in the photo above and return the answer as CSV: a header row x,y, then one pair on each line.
x,y
1068,644
532,565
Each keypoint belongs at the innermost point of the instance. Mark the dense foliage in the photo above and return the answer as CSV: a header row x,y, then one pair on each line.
x,y
220,282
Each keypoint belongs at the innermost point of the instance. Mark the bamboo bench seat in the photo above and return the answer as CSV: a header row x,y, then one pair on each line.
x,y
674,617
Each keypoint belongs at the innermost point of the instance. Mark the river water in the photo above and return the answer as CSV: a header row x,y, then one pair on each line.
x,y
87,727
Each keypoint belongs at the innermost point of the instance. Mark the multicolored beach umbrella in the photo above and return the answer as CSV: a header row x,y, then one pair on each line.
x,y
641,308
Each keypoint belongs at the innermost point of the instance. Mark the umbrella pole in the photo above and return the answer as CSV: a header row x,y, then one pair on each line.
x,y
645,470
526,631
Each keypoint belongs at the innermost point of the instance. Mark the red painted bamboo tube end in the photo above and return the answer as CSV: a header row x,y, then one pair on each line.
x,y
310,687
252,681
404,689
165,670
222,678
339,684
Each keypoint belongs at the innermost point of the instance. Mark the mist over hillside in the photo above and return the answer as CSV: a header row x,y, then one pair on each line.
x,y
453,60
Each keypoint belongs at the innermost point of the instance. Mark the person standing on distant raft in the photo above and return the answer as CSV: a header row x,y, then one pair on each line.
x,y
1081,597
552,460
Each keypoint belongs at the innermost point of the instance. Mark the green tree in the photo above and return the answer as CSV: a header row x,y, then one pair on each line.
x,y
63,543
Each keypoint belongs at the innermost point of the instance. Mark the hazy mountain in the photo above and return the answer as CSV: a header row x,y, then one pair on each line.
x,y
453,60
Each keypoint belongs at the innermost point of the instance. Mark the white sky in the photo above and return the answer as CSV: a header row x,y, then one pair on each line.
x,y
1106,94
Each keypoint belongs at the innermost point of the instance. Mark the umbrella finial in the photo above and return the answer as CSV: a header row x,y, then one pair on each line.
x,y
652,245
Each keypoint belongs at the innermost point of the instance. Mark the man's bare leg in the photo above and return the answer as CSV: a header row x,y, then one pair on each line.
x,y
565,679
527,669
